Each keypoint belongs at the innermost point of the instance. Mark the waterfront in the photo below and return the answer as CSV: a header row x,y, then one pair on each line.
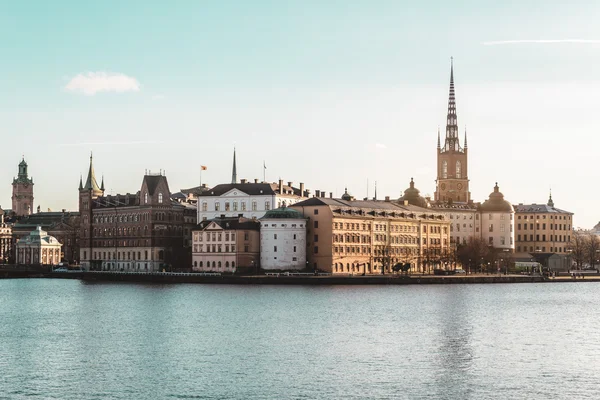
x,y
69,339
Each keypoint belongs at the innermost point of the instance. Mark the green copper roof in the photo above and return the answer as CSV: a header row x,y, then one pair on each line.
x,y
283,212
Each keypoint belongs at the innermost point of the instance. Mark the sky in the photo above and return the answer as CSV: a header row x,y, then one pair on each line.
x,y
334,94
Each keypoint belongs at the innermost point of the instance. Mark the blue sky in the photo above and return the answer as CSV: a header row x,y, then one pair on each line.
x,y
328,93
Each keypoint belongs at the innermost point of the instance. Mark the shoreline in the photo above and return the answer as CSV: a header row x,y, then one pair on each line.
x,y
329,280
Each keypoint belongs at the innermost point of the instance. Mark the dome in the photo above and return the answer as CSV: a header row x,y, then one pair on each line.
x,y
283,212
413,196
496,202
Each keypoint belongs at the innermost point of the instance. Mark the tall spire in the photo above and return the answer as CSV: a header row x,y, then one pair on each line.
x,y
465,136
439,144
452,142
80,182
550,201
102,184
234,172
375,198
91,183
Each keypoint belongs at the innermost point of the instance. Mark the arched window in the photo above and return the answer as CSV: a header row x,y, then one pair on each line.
x,y
217,206
219,264
233,264
204,206
226,264
214,264
195,263
146,198
458,169
267,205
444,169
160,197
200,264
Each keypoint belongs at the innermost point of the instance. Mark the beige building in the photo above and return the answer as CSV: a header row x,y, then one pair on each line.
x,y
38,248
5,239
349,236
543,228
226,244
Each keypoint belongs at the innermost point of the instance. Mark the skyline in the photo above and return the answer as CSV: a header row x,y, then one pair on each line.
x,y
196,80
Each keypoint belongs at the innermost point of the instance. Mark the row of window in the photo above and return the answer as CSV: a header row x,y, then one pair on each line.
x,y
233,205
214,264
445,169
558,227
542,249
502,240
565,217
121,255
552,238
215,248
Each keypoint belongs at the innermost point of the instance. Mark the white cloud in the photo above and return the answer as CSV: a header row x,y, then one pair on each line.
x,y
380,146
542,41
94,82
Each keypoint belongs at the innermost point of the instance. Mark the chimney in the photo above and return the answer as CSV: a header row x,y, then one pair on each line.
x,y
331,195
243,181
323,193
281,186
301,189
317,193
290,184
255,180
204,185
387,199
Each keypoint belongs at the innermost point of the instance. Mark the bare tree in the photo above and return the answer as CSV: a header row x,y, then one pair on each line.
x,y
475,252
578,247
592,248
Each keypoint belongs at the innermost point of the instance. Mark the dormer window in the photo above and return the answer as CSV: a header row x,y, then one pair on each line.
x,y
146,198
160,197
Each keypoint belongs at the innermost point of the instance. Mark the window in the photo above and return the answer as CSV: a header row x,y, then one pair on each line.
x,y
275,249
235,206
458,170
316,250
316,211
491,227
243,204
316,224
254,205
444,169
491,239
275,236
146,198
294,249
267,205
246,249
227,206
160,197
217,206
316,238
294,236
502,240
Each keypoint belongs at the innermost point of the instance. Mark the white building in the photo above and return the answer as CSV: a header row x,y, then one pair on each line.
x,y
38,248
283,240
225,245
250,200
465,221
497,221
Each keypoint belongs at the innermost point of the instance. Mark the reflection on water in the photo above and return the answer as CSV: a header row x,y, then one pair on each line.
x,y
65,339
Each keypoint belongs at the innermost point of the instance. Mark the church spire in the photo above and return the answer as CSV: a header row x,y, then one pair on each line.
x,y
102,184
234,171
91,183
80,182
465,136
550,201
452,142
439,143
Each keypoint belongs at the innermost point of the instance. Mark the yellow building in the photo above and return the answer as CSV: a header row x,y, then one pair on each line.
x,y
349,236
542,228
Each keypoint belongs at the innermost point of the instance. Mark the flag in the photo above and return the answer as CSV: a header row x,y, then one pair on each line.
x,y
264,165
203,167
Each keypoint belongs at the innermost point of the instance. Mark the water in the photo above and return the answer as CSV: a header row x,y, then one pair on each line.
x,y
64,339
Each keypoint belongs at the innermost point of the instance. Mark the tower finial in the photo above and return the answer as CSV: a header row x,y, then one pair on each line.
x,y
550,201
102,184
439,143
81,182
452,142
466,137
375,198
234,170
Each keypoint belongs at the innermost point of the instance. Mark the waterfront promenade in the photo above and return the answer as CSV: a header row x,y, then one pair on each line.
x,y
291,278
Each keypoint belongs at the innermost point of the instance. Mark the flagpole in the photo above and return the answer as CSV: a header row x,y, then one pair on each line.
x,y
201,177
264,171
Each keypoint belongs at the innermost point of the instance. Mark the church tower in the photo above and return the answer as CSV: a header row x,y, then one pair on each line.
x,y
452,183
87,194
22,194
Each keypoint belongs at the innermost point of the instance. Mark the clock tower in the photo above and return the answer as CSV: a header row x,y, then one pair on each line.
x,y
452,183
22,193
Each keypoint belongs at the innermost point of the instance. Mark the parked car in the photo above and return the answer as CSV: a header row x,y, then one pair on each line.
x,y
459,271
61,269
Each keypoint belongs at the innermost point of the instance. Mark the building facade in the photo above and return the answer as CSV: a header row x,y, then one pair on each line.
x,y
283,240
38,248
226,244
249,200
349,236
64,226
6,242
497,221
543,228
131,232
22,192
452,183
